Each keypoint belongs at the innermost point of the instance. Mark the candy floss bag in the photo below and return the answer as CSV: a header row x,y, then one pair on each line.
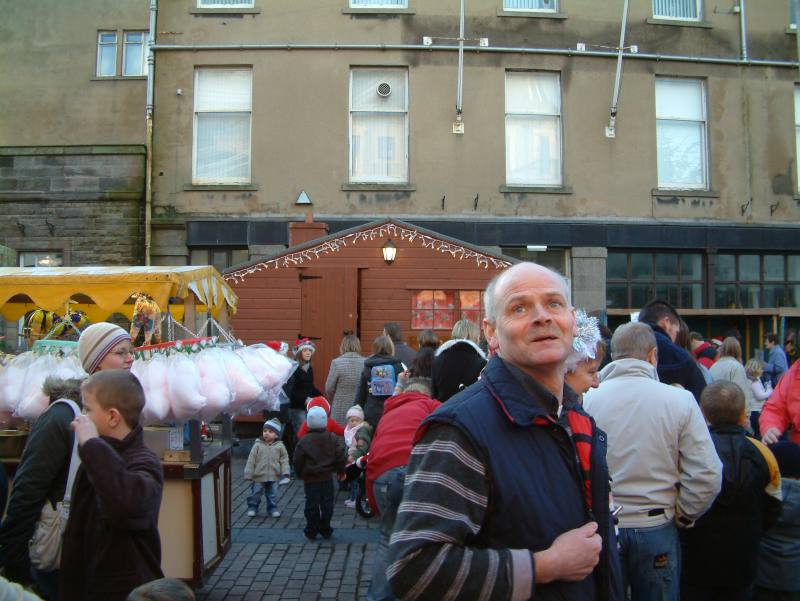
x,y
215,384
12,379
152,374
244,384
34,401
186,399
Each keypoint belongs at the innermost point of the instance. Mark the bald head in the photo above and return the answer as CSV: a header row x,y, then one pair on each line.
x,y
497,285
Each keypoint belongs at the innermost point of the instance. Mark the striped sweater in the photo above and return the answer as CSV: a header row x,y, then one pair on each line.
x,y
445,501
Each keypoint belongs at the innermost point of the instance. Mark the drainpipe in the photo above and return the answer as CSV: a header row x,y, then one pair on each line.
x,y
148,182
611,130
743,29
460,84
796,28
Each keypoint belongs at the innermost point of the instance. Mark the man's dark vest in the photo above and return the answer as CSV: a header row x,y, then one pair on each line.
x,y
547,476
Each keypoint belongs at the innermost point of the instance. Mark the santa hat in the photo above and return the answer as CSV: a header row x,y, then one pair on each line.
x,y
303,343
279,346
355,411
274,425
717,341
319,401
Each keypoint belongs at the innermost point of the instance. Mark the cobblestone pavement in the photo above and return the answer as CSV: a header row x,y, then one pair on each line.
x,y
270,559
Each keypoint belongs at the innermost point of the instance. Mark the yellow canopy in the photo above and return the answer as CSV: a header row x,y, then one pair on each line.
x,y
109,287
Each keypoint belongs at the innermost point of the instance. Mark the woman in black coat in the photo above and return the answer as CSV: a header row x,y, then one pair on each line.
x,y
367,397
458,362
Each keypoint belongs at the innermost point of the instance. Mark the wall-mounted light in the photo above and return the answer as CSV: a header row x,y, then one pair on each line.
x,y
537,248
389,252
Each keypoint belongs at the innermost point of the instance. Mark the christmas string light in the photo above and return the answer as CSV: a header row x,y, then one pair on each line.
x,y
334,245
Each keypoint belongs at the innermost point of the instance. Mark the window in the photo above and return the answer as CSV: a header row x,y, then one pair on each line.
x,y
222,115
379,3
753,281
533,129
797,132
441,309
379,125
134,53
550,6
683,10
792,16
635,278
224,3
220,257
107,54
41,259
681,134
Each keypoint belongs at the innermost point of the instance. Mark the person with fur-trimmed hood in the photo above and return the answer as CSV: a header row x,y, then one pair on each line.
x,y
458,361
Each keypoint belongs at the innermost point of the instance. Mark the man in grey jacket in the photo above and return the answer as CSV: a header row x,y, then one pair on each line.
x,y
664,470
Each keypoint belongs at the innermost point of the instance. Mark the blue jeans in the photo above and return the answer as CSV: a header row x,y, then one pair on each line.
x,y
270,490
388,491
651,561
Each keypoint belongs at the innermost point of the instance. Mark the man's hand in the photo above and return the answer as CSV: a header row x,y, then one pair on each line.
x,y
771,436
84,429
571,557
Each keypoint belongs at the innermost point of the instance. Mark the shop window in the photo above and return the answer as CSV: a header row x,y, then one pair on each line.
x,y
635,278
441,309
220,257
751,281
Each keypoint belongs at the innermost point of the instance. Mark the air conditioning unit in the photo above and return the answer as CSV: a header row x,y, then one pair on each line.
x,y
384,89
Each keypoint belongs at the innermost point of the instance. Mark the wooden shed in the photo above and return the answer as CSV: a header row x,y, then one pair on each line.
x,y
328,285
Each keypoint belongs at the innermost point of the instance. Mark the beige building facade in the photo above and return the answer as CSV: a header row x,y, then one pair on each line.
x,y
263,111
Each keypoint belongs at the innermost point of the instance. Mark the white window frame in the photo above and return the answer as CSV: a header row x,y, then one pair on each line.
x,y
699,8
378,4
559,131
797,135
351,153
101,45
126,44
215,180
516,9
227,4
705,184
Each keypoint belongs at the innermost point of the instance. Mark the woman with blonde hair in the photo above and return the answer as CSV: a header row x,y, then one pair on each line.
x,y
728,366
458,362
761,392
344,377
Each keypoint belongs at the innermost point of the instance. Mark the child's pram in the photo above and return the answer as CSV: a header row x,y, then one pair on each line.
x,y
353,473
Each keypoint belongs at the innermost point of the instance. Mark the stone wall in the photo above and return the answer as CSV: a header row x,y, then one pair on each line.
x,y
74,200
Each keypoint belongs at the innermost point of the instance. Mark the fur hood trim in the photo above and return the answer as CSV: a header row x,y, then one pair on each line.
x,y
451,343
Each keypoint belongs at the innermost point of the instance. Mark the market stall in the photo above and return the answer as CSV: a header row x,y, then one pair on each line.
x,y
195,521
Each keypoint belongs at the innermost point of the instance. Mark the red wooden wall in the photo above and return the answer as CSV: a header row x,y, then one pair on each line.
x,y
270,300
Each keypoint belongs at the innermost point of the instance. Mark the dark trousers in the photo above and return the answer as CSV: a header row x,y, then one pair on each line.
x,y
319,508
696,593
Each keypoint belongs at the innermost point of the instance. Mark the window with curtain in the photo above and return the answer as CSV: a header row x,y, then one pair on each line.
x,y
379,125
379,3
441,309
683,10
531,5
134,53
224,3
681,134
107,54
222,117
797,132
533,129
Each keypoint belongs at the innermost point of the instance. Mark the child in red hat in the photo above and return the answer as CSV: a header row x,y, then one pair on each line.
x,y
332,425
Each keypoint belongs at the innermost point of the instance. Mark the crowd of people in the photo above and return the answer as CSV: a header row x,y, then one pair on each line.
x,y
542,456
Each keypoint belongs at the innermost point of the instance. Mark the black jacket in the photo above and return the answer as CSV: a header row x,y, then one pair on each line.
x,y
458,364
41,476
111,543
676,366
318,455
721,550
373,405
300,387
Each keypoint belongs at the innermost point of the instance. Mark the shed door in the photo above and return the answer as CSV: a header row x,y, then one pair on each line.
x,y
329,306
